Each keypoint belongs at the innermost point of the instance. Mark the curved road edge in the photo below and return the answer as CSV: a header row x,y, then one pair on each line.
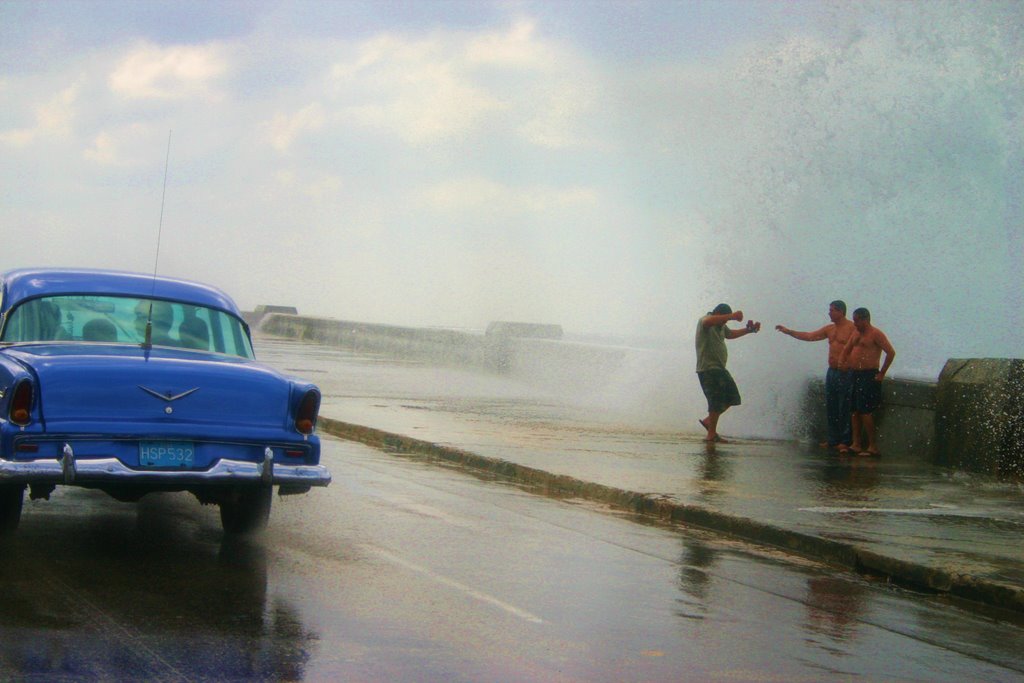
x,y
838,553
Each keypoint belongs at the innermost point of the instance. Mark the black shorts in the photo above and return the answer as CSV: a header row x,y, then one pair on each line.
x,y
867,393
720,390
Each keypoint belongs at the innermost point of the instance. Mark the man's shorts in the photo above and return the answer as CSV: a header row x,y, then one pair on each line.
x,y
867,393
720,390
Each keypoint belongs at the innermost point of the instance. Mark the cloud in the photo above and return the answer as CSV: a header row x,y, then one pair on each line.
x,y
180,71
456,85
517,47
283,129
416,89
125,146
53,118
319,187
561,116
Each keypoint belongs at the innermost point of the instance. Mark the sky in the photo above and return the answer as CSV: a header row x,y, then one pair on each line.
x,y
617,168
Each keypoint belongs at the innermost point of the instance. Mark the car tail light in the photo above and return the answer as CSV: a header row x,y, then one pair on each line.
x,y
20,412
305,417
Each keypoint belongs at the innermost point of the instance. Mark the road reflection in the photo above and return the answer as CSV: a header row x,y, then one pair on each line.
x,y
848,478
714,470
834,607
695,576
123,594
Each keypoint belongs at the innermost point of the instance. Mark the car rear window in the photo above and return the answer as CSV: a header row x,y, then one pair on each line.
x,y
118,319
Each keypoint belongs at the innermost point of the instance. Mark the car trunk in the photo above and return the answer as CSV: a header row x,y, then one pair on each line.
x,y
118,389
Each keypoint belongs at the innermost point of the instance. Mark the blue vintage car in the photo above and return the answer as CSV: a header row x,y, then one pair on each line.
x,y
132,383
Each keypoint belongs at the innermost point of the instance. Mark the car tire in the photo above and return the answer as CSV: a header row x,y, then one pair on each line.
x,y
248,511
11,498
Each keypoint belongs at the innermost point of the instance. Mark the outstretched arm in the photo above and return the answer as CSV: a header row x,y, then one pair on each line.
x,y
816,335
751,328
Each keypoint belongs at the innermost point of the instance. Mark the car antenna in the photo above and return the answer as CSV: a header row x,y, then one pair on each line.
x,y
148,342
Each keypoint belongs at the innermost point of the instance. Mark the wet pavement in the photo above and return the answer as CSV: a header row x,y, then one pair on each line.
x,y
896,517
405,571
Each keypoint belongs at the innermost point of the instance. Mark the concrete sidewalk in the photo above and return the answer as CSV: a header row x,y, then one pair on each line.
x,y
914,524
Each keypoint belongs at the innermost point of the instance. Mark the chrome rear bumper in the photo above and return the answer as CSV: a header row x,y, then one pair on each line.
x,y
69,470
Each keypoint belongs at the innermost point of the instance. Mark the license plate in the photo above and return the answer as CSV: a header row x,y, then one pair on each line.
x,y
166,453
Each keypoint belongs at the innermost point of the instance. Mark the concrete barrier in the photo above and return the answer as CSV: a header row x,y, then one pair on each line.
x,y
971,419
254,317
264,309
438,345
905,422
517,349
980,411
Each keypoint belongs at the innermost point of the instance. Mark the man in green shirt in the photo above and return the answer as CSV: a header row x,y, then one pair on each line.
x,y
715,381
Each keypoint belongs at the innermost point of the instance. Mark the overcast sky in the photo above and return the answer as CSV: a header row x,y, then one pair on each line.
x,y
614,167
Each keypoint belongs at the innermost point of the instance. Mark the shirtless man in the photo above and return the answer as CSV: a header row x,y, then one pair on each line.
x,y
861,355
837,379
715,381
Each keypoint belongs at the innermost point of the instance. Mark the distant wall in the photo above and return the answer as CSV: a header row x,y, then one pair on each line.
x,y
263,309
517,349
445,346
253,318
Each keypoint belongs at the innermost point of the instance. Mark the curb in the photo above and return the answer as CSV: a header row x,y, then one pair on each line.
x,y
838,553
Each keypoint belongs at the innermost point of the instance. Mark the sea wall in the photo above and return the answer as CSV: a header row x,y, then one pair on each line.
x,y
906,421
971,418
438,345
980,416
506,348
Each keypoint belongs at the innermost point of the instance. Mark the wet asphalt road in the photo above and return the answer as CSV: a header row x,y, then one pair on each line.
x,y
406,571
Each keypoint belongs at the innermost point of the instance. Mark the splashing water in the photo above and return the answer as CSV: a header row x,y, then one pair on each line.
x,y
881,165
878,160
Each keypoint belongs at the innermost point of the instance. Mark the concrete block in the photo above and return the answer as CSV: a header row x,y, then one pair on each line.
x,y
905,422
980,415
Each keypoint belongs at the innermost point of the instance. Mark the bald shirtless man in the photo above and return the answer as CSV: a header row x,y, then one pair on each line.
x,y
837,379
862,354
